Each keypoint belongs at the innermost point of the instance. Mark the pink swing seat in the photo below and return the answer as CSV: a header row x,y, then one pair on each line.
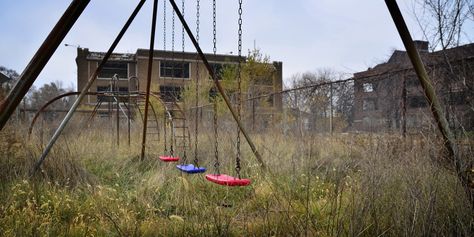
x,y
226,180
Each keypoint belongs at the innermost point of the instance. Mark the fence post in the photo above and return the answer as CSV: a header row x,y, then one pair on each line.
x,y
330,108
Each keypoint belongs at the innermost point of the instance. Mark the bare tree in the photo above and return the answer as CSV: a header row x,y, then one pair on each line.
x,y
39,97
6,86
322,98
442,21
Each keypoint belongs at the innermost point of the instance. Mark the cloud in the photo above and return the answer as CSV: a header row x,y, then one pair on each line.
x,y
304,34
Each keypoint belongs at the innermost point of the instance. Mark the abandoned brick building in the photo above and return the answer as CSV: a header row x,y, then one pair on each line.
x,y
389,97
171,73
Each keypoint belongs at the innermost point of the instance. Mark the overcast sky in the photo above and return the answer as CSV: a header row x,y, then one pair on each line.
x,y
345,35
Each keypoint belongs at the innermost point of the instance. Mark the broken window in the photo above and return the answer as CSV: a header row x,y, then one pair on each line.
x,y
174,69
103,98
213,93
170,93
114,67
123,90
218,69
263,80
412,81
417,102
270,100
368,87
458,98
369,104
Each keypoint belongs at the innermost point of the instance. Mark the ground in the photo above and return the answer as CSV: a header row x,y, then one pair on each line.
x,y
314,185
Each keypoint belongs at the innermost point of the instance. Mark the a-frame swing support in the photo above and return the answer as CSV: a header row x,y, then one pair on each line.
x,y
75,9
86,88
151,54
39,60
450,146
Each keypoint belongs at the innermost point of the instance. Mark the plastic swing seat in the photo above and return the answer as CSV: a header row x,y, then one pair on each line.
x,y
191,169
169,158
226,180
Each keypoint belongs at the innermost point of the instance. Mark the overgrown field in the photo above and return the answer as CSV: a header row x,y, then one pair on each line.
x,y
321,185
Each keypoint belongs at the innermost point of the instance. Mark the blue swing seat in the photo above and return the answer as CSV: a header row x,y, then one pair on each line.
x,y
191,169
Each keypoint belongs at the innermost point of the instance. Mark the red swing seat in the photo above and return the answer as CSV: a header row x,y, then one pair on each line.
x,y
169,158
226,180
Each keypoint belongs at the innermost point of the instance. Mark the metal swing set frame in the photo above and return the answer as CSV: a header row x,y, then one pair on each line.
x,y
75,9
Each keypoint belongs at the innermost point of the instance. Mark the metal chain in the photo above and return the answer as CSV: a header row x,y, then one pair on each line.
x,y
185,157
214,26
164,133
172,34
198,7
182,29
172,140
216,135
164,25
196,115
239,82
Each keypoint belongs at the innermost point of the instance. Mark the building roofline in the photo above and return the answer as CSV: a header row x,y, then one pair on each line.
x,y
399,60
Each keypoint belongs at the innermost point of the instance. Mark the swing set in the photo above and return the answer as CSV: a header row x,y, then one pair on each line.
x,y
73,12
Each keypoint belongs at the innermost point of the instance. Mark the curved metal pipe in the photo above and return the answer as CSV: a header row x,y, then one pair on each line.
x,y
30,129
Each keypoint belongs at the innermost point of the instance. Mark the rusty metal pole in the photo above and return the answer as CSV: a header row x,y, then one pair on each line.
x,y
330,109
253,115
435,105
129,114
404,106
117,114
426,83
86,87
148,81
39,60
217,83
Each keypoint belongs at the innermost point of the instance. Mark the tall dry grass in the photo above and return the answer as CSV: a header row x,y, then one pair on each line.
x,y
315,185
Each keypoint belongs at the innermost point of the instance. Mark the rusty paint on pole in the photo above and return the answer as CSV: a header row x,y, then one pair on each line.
x,y
39,60
86,88
148,80
426,83
435,105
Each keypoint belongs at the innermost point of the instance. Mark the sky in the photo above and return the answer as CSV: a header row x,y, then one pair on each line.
x,y
306,35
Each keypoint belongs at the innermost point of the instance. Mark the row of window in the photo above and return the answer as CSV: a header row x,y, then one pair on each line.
x,y
455,98
172,69
372,86
370,104
168,93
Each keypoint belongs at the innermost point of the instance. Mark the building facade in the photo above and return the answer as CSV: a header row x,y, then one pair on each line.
x,y
172,71
389,97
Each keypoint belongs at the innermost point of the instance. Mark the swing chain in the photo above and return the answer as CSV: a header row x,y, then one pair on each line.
x,y
172,35
164,25
196,119
164,133
214,25
182,29
216,135
198,7
172,140
239,82
185,157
